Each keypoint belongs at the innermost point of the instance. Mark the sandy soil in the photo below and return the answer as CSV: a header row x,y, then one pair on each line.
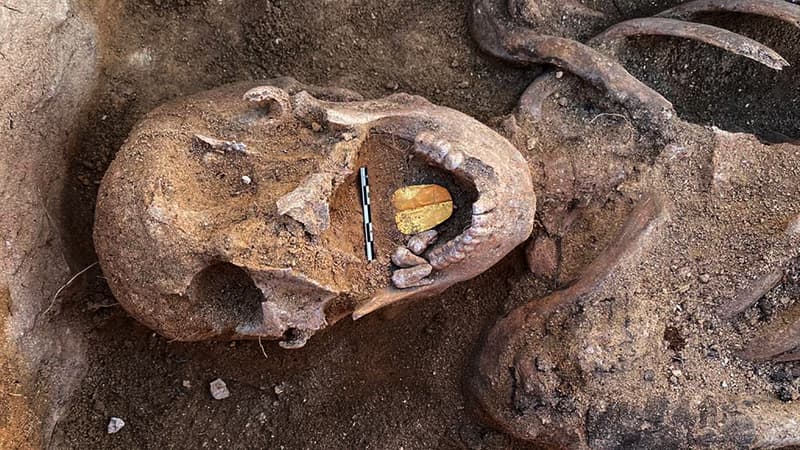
x,y
390,380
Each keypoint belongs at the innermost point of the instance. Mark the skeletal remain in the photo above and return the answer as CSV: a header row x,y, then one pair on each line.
x,y
204,259
402,257
564,371
494,26
207,143
542,257
421,241
412,276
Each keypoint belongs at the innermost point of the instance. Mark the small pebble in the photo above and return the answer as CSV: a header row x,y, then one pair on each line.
x,y
187,384
392,85
463,85
705,278
246,179
316,127
115,424
649,375
559,74
563,101
219,390
280,388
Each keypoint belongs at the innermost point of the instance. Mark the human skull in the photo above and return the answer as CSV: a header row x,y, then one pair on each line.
x,y
225,217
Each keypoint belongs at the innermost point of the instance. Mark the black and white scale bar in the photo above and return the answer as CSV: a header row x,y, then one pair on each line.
x,y
369,243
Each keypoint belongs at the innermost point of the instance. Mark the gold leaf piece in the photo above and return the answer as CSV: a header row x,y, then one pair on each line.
x,y
421,207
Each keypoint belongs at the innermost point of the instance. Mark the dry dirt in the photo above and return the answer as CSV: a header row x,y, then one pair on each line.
x,y
393,379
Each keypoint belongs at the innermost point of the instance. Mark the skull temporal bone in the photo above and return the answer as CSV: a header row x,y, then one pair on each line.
x,y
208,256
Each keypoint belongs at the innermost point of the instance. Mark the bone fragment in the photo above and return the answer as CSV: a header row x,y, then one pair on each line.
x,y
412,277
420,242
308,204
402,257
543,258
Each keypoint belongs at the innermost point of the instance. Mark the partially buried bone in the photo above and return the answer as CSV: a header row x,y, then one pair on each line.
x,y
204,258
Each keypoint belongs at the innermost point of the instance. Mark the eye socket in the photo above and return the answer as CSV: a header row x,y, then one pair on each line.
x,y
227,295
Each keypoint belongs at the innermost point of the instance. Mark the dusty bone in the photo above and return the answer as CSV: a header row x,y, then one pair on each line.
x,y
402,257
206,143
421,241
542,256
283,299
277,99
752,293
309,203
707,34
777,9
412,276
494,30
491,385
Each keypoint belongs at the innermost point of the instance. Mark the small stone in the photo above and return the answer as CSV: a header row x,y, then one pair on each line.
x,y
677,373
673,379
316,127
412,277
463,85
246,179
219,390
392,85
402,257
187,384
649,375
705,278
420,242
724,384
280,388
115,424
563,101
559,74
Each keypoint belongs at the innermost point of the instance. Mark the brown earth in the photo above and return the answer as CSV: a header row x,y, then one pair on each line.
x,y
390,380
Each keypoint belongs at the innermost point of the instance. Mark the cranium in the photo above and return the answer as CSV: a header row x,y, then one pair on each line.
x,y
231,217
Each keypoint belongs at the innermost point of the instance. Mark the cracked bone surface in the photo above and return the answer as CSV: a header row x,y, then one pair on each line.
x,y
195,252
654,339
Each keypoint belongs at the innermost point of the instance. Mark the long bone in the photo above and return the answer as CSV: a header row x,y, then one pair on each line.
x,y
500,35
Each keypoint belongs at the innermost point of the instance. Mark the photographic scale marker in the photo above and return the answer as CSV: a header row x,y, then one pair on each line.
x,y
369,243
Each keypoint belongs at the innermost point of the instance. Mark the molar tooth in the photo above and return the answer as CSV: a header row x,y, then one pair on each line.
x,y
463,246
482,220
455,256
483,205
402,257
468,248
453,160
480,231
436,149
439,262
468,239
412,277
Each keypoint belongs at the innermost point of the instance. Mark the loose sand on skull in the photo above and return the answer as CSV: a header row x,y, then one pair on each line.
x,y
393,379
